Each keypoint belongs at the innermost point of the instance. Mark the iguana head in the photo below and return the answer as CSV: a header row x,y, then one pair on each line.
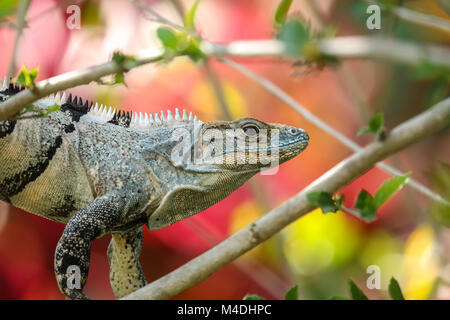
x,y
246,144
202,163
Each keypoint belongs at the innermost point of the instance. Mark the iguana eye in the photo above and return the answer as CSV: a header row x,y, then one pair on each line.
x,y
251,130
294,131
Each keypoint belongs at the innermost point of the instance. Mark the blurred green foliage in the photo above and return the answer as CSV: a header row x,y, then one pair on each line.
x,y
325,201
395,291
178,43
441,183
189,16
282,12
7,8
91,13
376,126
369,205
292,293
27,77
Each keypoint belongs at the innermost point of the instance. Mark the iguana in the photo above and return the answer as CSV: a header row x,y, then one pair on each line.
x,y
105,172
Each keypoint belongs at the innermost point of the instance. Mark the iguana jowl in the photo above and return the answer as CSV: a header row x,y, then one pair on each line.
x,y
100,171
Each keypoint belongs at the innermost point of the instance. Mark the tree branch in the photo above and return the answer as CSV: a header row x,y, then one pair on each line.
x,y
344,47
68,80
340,47
203,266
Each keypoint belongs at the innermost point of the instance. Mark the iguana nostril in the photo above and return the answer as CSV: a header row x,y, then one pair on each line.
x,y
305,135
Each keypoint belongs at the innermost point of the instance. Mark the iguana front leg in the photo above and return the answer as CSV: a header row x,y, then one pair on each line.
x,y
73,250
126,274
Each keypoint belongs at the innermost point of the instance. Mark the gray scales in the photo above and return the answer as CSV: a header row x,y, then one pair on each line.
x,y
105,172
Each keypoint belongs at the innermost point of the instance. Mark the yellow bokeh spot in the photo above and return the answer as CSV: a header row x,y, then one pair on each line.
x,y
243,215
320,241
204,100
384,251
420,263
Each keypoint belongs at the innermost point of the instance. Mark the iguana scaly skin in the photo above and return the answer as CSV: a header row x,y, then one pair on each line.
x,y
100,171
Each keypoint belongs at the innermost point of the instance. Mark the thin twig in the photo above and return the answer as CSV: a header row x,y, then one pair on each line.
x,y
349,47
386,49
200,268
12,106
218,91
21,14
419,18
348,79
422,19
147,9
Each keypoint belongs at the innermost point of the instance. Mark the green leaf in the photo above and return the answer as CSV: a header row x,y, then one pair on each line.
x,y
167,37
26,77
119,78
31,108
395,291
437,91
340,201
292,293
53,108
388,188
124,61
366,205
50,109
253,297
193,51
376,125
189,16
282,11
295,37
426,71
356,293
180,43
362,131
324,200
